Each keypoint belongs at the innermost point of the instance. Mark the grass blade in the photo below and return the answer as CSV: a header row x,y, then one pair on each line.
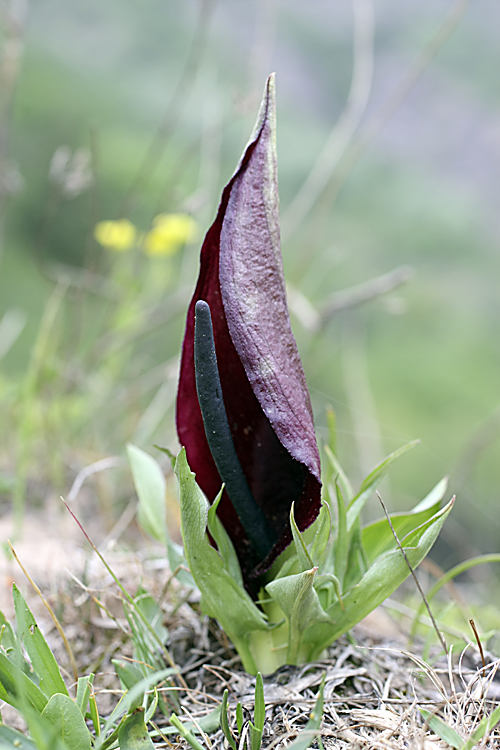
x,y
41,657
443,730
310,732
224,721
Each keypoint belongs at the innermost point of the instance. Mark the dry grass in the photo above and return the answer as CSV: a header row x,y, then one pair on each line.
x,y
373,690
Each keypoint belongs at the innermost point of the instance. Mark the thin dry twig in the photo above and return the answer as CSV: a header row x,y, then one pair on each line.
x,y
417,582
479,645
51,612
125,593
110,462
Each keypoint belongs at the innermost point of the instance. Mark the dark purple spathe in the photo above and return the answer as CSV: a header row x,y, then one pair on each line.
x,y
262,380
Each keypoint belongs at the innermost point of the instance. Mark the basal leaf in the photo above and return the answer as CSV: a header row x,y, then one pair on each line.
x,y
83,690
435,495
378,537
129,674
259,714
150,486
325,584
341,548
129,699
153,614
222,597
321,538
42,658
11,738
65,718
296,596
372,481
356,558
208,723
337,473
304,559
17,688
379,582
224,721
133,733
239,717
223,542
7,637
185,733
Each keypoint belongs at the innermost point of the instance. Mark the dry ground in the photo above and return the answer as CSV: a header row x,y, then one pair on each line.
x,y
373,687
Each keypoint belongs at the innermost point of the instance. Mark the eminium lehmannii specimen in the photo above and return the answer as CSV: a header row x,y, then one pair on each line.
x,y
281,562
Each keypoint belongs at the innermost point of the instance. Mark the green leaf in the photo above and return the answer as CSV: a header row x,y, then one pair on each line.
x,y
42,658
326,582
305,562
224,720
337,472
378,537
133,733
11,738
150,485
208,723
221,596
356,560
65,717
259,715
16,688
486,724
185,733
379,582
94,715
310,732
151,710
83,691
443,730
7,637
239,717
321,538
129,699
435,496
300,603
224,544
151,489
129,674
148,634
342,539
372,481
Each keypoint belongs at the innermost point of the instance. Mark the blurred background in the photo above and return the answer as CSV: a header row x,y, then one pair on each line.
x,y
389,152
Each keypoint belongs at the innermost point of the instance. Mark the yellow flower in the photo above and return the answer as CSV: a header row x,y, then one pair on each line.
x,y
116,235
168,234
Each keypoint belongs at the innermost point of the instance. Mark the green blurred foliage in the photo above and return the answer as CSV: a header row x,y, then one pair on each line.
x,y
124,80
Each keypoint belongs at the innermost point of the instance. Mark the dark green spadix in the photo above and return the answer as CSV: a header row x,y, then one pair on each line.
x,y
219,437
